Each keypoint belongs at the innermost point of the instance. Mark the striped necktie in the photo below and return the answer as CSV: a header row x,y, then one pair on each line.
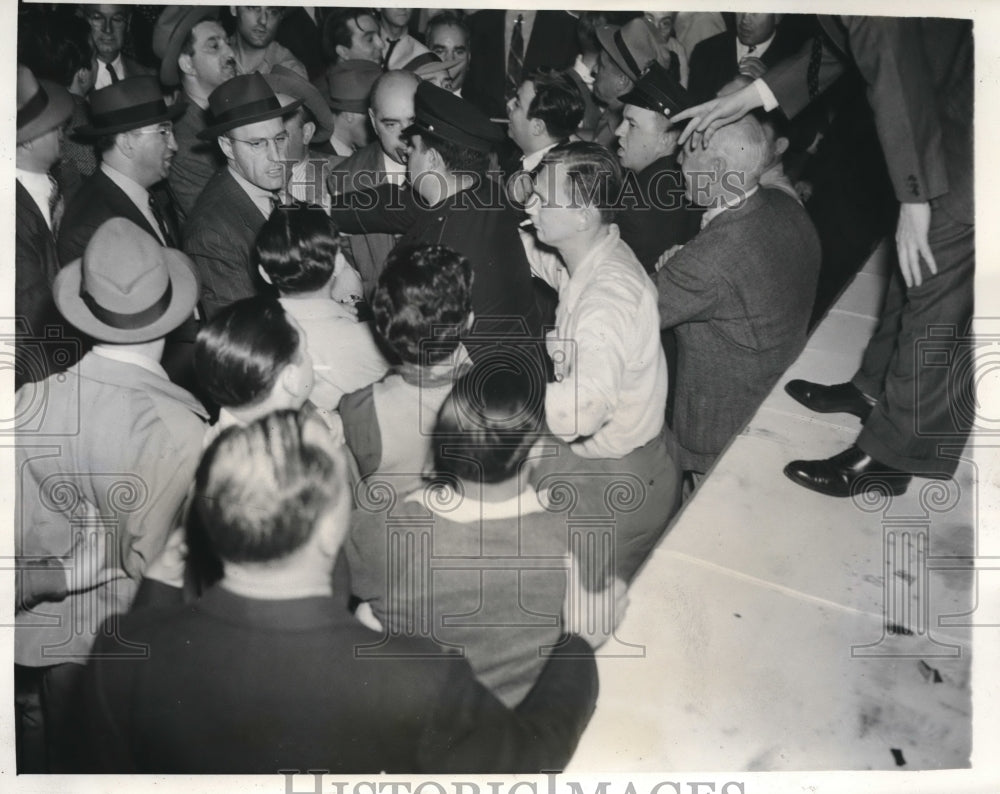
x,y
515,58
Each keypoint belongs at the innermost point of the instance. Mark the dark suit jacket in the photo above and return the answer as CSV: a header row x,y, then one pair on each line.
x,y
238,685
97,200
713,61
919,74
739,297
35,267
219,237
302,36
552,43
195,161
364,169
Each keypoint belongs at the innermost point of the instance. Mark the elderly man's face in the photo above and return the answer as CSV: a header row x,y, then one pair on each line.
x,y
213,61
755,28
644,136
257,152
610,82
366,43
258,25
450,43
108,24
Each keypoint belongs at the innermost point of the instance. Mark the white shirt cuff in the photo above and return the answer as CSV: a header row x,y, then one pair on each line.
x,y
767,98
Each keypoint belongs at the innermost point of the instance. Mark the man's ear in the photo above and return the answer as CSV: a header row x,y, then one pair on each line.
x,y
371,117
226,145
184,63
342,53
780,145
537,127
308,130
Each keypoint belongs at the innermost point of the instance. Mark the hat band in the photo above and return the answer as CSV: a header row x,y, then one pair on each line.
x,y
241,112
629,60
32,108
136,114
128,322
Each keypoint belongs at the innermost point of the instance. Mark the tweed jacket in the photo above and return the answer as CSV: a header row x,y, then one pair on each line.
x,y
219,237
124,440
195,160
739,297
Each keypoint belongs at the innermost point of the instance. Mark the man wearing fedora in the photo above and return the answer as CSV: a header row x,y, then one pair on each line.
x,y
246,122
121,442
193,52
625,53
311,123
453,203
43,109
655,214
348,86
381,161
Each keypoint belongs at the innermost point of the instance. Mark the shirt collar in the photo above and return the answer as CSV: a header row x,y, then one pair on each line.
x,y
444,501
130,357
575,285
394,172
529,161
260,197
759,50
714,212
312,308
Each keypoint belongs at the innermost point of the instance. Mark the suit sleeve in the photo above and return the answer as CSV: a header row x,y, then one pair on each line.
x,y
472,731
385,208
224,274
687,288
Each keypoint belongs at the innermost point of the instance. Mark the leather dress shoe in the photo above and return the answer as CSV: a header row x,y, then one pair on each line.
x,y
851,472
840,398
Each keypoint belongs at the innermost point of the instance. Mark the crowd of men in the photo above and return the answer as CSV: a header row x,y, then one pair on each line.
x,y
331,320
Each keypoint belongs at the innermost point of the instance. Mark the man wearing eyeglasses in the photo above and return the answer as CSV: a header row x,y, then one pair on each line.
x,y
245,119
132,129
109,23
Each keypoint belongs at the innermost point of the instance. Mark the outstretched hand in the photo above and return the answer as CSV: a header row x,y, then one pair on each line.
x,y
707,117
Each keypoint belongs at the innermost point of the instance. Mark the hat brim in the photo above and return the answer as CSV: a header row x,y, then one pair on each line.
x,y
169,75
60,107
184,297
456,136
606,38
173,113
310,97
215,130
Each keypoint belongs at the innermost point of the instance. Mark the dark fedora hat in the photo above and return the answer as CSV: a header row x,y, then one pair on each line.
x,y
656,90
171,29
127,105
127,288
41,105
245,99
633,46
441,113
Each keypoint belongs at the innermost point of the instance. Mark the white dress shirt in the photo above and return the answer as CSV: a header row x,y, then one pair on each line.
x,y
39,187
137,194
103,77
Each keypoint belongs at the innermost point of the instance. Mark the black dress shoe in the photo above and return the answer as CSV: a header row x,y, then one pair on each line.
x,y
843,398
851,472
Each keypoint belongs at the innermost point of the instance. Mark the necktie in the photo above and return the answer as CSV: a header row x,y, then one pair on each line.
x,y
388,52
515,58
111,72
812,71
161,222
55,204
751,49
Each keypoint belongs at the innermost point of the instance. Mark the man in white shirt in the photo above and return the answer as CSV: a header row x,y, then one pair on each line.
x,y
400,46
108,24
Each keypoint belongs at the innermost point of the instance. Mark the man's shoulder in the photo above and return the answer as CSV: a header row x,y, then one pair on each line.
x,y
713,44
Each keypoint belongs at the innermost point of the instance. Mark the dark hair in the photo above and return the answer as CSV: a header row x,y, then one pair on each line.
x,y
297,247
446,18
187,46
105,142
594,174
456,157
488,423
260,490
423,301
239,353
337,31
557,102
56,47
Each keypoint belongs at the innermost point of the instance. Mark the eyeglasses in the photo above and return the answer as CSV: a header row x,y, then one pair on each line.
x,y
98,20
259,145
166,130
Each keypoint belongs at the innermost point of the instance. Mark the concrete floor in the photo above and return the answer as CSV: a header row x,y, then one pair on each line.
x,y
778,629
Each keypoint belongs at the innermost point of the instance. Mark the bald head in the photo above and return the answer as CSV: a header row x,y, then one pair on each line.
x,y
391,110
729,166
